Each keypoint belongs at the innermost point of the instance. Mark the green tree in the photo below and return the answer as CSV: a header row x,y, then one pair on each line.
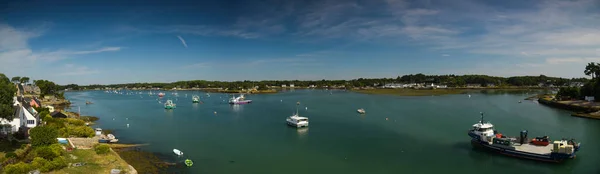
x,y
45,152
24,80
16,79
46,87
592,69
43,136
7,91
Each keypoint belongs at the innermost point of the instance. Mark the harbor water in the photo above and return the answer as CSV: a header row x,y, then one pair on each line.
x,y
397,134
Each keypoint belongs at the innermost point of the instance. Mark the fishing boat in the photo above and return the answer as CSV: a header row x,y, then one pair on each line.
x,y
239,100
195,99
483,135
161,94
169,104
361,111
177,152
296,120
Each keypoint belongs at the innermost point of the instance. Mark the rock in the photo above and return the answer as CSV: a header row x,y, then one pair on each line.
x,y
115,171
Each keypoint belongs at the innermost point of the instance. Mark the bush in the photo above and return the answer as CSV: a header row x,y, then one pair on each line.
x,y
18,168
57,163
45,152
57,149
19,135
81,131
39,162
43,136
102,149
75,122
10,155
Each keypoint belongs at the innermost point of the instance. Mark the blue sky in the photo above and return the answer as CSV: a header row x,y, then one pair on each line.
x,y
106,42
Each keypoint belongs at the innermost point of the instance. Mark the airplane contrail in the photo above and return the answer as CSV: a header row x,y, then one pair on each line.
x,y
182,41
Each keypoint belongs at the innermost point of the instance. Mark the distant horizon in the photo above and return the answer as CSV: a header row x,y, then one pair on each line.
x,y
116,42
31,81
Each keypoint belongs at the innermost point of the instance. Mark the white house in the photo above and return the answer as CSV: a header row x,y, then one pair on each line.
x,y
291,85
22,118
283,86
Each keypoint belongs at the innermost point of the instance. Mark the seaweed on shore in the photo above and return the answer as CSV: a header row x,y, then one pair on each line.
x,y
143,162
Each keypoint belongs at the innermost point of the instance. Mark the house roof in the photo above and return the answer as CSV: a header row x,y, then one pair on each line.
x,y
58,114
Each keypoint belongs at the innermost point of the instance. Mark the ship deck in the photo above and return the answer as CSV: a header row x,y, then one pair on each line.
x,y
542,150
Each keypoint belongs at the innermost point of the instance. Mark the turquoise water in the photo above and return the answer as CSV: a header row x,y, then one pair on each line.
x,y
397,135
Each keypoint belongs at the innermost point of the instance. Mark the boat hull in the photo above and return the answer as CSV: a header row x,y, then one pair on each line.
x,y
298,125
240,102
551,157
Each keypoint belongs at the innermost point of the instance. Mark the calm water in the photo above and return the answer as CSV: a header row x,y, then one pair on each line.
x,y
420,135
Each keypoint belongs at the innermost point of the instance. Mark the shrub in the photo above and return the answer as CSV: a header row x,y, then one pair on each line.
x,y
45,152
10,155
43,136
18,168
19,135
102,149
39,162
75,122
57,163
81,131
57,149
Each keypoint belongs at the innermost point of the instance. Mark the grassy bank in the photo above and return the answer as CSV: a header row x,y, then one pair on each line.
x,y
412,92
93,163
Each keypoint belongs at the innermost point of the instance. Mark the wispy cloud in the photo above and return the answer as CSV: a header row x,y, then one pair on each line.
x,y
581,60
76,70
63,54
182,41
445,55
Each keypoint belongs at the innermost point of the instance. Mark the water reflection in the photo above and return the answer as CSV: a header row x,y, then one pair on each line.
x,y
302,132
236,108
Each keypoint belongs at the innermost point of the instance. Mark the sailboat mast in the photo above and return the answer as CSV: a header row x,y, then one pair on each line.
x,y
297,104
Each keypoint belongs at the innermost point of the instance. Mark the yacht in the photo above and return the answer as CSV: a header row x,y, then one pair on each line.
x,y
296,120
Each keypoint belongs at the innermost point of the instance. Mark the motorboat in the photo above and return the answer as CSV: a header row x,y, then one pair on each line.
x,y
296,120
361,111
169,104
177,152
195,99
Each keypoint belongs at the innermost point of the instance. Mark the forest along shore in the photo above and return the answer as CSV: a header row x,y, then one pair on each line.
x,y
437,92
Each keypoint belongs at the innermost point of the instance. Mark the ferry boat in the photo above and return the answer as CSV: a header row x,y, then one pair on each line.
x,y
483,135
195,99
161,94
169,104
296,120
239,100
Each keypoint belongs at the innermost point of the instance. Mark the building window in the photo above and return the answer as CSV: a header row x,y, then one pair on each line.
x,y
30,121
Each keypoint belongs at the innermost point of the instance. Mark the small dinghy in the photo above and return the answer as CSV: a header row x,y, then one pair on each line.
x,y
177,152
189,163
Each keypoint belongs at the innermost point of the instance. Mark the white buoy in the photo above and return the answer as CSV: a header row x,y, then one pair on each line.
x,y
127,124
113,118
126,118
215,112
281,100
306,108
469,95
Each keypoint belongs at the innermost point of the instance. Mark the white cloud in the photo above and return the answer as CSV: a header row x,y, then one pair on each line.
x,y
76,70
445,55
581,60
182,41
63,54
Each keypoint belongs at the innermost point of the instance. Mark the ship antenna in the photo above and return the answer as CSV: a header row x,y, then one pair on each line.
x,y
481,117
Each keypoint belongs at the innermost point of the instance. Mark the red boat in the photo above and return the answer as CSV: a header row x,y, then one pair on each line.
x,y
540,141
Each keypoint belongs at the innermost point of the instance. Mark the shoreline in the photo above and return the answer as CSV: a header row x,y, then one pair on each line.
x,y
434,92
581,108
139,161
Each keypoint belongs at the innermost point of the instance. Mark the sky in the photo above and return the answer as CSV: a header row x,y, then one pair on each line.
x,y
108,42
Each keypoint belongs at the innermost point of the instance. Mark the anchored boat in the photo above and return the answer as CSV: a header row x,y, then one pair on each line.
x,y
239,100
195,99
161,94
296,120
484,135
169,104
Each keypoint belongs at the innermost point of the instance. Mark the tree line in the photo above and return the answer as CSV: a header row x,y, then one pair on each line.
x,y
590,88
450,80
